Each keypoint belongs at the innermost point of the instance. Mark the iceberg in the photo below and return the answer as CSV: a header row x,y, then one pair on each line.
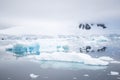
x,y
22,50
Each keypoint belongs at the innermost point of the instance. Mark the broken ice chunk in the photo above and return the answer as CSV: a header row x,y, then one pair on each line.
x,y
33,76
114,73
86,75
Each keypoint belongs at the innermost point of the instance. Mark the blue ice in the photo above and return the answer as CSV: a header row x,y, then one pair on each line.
x,y
20,49
63,48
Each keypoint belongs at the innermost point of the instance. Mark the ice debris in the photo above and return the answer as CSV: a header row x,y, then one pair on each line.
x,y
74,78
33,76
86,75
114,73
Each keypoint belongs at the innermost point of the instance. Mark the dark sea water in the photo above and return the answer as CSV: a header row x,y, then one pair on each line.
x,y
21,70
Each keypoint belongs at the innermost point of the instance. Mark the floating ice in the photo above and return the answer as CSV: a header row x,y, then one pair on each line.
x,y
114,73
33,76
70,57
74,77
9,78
86,75
59,47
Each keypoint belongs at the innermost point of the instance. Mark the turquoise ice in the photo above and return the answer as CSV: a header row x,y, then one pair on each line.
x,y
20,49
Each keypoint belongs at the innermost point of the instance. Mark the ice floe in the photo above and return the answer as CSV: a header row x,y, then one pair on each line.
x,y
70,57
74,78
86,75
114,73
33,76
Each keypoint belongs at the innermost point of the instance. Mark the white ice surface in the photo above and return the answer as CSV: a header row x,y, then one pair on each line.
x,y
70,57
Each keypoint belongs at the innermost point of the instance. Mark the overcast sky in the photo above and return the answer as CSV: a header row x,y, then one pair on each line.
x,y
58,16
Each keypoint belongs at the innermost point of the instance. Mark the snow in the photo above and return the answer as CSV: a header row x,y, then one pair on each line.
x,y
33,76
70,57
